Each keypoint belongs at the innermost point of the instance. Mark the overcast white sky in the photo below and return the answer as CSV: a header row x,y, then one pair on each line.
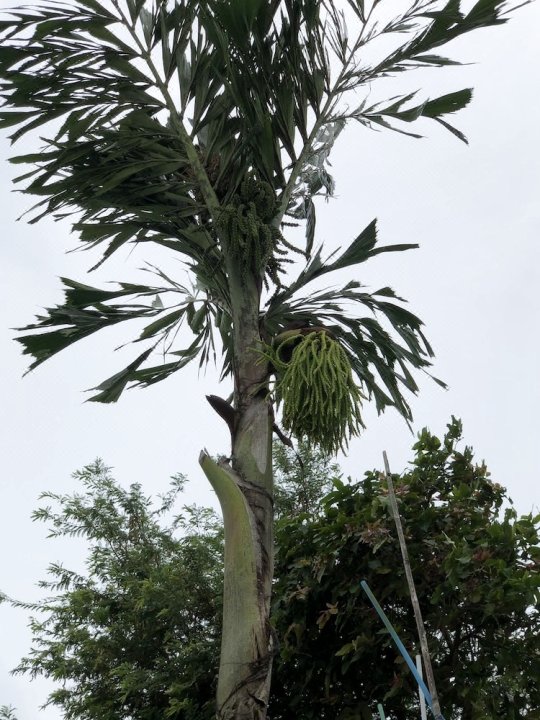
x,y
475,211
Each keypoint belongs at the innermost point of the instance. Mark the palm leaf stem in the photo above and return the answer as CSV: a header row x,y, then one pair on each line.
x,y
207,191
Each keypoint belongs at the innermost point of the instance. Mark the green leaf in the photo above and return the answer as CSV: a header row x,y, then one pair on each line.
x,y
436,60
83,313
81,296
158,325
360,250
364,247
485,13
9,118
197,320
149,376
112,388
453,130
345,650
452,102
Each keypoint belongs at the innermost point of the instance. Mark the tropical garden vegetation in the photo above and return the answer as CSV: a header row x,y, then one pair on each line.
x,y
135,636
206,128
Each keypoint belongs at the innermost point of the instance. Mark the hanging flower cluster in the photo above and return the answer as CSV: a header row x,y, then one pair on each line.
x,y
315,384
245,224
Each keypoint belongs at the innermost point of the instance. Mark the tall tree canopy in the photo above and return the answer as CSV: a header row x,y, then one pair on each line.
x,y
205,128
203,125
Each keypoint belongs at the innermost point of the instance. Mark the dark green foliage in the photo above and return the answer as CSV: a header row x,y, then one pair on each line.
x,y
87,309
153,114
475,563
140,631
137,635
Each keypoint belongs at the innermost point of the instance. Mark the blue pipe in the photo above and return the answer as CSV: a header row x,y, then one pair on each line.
x,y
401,647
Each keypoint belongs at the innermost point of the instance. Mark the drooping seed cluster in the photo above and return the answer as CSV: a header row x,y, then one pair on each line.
x,y
321,401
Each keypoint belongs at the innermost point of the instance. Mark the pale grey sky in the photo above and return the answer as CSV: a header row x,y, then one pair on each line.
x,y
475,211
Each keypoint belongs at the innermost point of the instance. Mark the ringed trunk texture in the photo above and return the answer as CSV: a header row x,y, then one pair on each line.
x,y
244,486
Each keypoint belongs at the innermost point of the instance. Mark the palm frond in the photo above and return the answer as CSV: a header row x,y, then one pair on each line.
x,y
87,309
383,347
155,113
382,358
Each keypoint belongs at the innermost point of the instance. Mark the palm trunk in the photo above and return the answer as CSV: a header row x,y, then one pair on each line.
x,y
244,488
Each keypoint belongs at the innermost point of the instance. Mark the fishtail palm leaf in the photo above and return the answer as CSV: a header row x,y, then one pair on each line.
x,y
382,364
157,112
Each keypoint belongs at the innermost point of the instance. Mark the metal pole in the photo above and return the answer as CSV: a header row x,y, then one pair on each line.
x,y
412,589
400,646
423,713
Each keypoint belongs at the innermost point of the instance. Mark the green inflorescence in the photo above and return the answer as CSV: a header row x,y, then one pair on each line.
x,y
246,225
261,195
314,381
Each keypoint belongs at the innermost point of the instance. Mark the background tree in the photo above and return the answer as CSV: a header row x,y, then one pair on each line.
x,y
7,712
200,127
137,635
302,477
476,567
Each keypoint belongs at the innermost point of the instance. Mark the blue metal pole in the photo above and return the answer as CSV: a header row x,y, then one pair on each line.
x,y
401,647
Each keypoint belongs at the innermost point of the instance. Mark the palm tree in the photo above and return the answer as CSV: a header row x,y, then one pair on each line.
x,y
205,128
